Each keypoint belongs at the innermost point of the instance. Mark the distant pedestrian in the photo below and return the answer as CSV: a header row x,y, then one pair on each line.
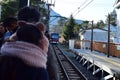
x,y
24,59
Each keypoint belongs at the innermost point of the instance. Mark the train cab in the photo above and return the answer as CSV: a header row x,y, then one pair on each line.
x,y
54,38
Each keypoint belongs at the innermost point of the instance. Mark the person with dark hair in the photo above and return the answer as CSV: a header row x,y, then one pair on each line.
x,y
10,24
23,59
29,14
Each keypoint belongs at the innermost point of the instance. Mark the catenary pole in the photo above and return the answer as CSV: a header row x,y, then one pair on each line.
x,y
92,37
108,49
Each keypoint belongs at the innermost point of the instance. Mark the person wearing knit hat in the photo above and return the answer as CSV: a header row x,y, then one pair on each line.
x,y
25,59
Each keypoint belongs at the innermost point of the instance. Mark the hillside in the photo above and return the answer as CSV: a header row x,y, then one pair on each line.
x,y
54,17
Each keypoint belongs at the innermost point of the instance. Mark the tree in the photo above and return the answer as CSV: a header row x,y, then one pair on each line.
x,y
68,29
113,18
76,30
100,24
85,24
9,8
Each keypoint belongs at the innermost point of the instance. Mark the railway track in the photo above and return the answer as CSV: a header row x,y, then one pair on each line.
x,y
67,70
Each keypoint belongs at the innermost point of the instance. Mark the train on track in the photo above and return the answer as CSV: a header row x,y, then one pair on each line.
x,y
54,38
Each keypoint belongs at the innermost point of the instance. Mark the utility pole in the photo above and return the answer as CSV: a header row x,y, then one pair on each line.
x,y
108,49
92,37
48,17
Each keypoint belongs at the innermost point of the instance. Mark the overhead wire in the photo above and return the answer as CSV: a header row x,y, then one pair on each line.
x,y
80,6
83,7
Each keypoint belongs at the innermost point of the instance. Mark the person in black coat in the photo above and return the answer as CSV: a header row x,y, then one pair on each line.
x,y
24,59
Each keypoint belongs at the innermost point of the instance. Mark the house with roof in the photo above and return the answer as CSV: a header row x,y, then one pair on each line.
x,y
99,35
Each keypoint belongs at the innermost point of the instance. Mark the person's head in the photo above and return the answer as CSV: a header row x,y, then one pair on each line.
x,y
10,23
29,14
29,33
2,29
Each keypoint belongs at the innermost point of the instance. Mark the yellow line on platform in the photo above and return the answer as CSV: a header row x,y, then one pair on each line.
x,y
108,60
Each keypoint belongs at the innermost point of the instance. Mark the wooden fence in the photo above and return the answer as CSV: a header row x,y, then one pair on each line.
x,y
99,46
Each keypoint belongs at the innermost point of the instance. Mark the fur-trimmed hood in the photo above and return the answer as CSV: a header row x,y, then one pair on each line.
x,y
29,53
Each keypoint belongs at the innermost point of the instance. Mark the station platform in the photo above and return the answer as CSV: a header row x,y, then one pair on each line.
x,y
100,63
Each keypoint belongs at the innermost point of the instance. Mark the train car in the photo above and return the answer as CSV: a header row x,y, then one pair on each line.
x,y
54,38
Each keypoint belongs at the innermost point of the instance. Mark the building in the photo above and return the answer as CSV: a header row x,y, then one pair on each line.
x,y
99,35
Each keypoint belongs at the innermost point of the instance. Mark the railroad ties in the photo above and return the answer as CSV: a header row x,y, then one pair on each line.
x,y
67,70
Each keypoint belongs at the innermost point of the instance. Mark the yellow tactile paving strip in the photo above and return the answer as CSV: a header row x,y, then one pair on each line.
x,y
108,60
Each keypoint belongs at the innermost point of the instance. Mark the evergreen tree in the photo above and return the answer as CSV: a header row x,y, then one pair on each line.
x,y
100,24
76,30
113,18
68,30
85,24
9,8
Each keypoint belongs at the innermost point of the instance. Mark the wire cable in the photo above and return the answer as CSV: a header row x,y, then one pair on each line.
x,y
80,6
83,7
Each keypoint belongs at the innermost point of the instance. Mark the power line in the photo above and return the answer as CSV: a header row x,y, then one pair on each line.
x,y
83,7
80,6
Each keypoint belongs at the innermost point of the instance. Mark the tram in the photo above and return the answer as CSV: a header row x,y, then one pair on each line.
x,y
54,38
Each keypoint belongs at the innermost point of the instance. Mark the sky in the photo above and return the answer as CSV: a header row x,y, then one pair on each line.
x,y
84,9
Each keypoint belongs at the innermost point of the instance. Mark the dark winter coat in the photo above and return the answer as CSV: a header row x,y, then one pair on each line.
x,y
22,61
13,68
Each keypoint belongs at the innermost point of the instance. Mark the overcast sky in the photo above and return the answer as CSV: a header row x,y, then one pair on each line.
x,y
85,9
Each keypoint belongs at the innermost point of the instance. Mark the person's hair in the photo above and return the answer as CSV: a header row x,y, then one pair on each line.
x,y
29,14
29,33
8,21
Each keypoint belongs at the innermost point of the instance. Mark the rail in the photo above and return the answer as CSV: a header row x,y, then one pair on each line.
x,y
67,70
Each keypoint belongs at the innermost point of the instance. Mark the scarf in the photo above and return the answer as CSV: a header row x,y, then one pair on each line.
x,y
29,53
